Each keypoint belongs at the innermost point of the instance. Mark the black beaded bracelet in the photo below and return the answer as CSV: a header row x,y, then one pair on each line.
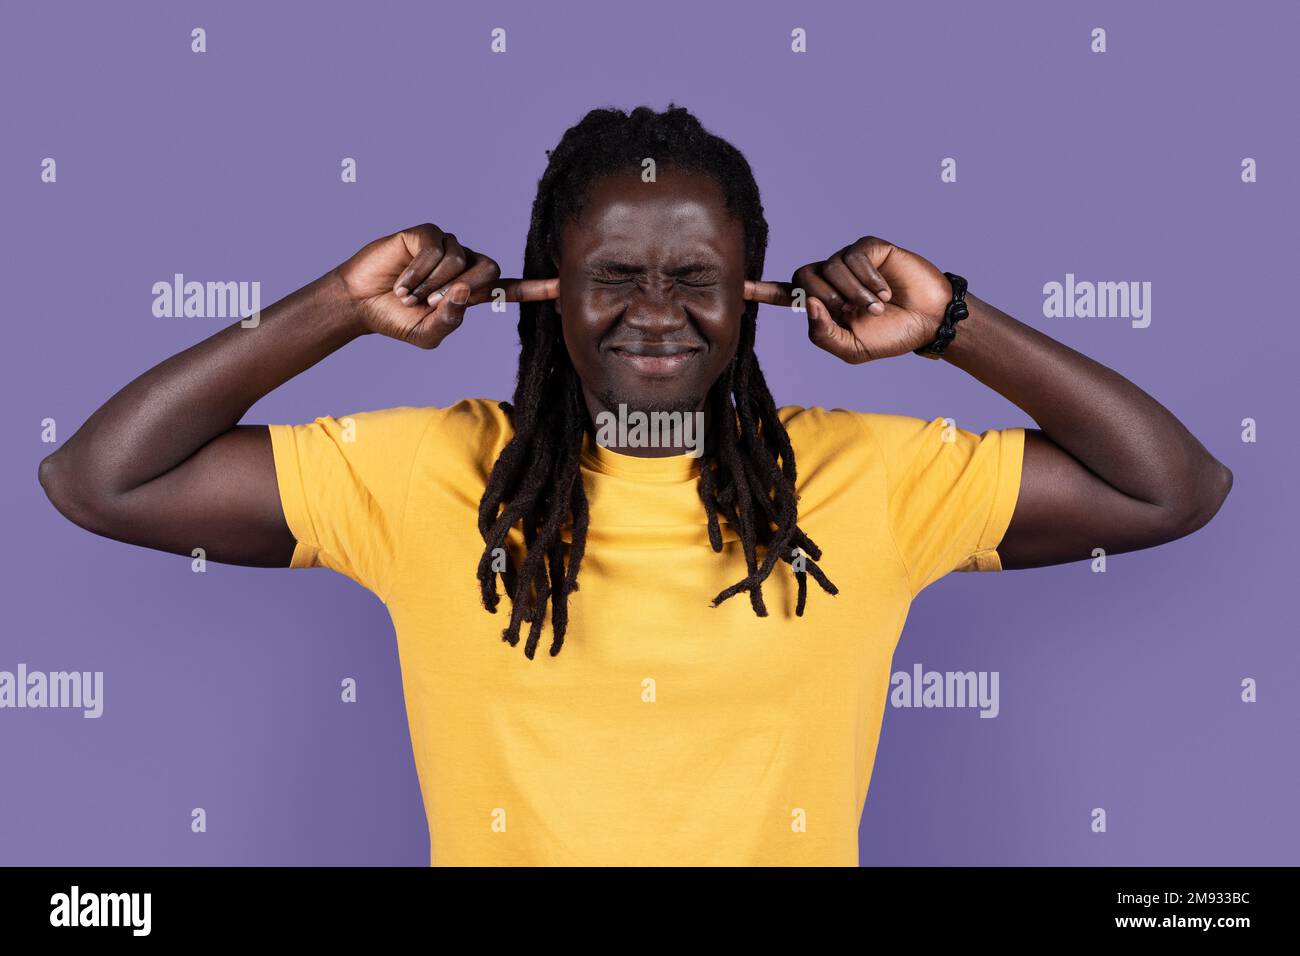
x,y
955,312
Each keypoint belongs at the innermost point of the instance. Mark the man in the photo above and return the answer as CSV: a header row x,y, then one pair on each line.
x,y
667,724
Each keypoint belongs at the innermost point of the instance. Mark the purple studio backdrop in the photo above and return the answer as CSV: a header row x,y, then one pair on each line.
x,y
1120,690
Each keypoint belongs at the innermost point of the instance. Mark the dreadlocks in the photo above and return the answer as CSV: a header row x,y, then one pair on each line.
x,y
747,475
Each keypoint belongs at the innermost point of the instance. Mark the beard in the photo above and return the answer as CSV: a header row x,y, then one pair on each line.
x,y
612,398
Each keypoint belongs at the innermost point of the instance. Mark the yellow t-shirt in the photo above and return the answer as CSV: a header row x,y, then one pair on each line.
x,y
666,731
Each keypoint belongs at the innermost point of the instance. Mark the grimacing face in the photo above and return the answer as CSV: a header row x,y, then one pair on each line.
x,y
652,280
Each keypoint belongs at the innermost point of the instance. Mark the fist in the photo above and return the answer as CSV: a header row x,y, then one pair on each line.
x,y
873,299
416,284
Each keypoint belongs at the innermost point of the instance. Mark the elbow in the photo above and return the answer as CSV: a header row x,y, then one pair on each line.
x,y
59,481
51,474
1205,502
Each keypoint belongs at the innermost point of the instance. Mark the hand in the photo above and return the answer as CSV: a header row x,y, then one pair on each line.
x,y
870,300
416,284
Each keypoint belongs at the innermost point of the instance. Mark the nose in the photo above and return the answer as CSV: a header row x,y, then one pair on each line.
x,y
654,309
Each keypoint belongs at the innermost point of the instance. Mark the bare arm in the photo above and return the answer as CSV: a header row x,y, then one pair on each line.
x,y
165,464
1108,467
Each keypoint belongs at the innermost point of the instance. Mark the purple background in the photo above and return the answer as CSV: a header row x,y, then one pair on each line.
x,y
1119,690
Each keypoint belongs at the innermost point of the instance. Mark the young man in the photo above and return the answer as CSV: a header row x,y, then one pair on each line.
x,y
667,724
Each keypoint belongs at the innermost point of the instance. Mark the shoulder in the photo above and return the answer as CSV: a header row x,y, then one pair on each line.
x,y
813,424
867,444
392,437
466,421
471,432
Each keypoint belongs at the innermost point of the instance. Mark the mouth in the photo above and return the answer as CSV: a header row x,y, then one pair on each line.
x,y
655,359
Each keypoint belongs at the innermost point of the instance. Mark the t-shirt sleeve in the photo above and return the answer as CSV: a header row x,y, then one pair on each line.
x,y
950,493
344,484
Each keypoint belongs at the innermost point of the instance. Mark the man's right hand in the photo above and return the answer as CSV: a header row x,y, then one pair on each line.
x,y
165,464
416,284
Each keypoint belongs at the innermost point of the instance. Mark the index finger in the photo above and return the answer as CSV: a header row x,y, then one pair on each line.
x,y
773,293
520,290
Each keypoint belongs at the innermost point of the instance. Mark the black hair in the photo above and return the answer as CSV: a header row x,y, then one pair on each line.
x,y
747,472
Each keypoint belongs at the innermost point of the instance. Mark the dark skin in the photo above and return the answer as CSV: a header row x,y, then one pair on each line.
x,y
650,292
653,284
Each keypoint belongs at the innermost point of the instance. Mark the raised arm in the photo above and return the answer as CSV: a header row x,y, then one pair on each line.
x,y
164,463
1108,467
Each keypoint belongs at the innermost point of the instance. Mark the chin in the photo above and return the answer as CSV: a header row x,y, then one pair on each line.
x,y
667,397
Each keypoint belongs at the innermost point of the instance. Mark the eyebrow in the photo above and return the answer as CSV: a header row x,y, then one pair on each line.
x,y
619,267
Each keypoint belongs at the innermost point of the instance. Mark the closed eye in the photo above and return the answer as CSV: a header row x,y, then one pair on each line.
x,y
698,280
696,276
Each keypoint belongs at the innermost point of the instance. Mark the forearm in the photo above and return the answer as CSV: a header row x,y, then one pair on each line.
x,y
174,409
1103,420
